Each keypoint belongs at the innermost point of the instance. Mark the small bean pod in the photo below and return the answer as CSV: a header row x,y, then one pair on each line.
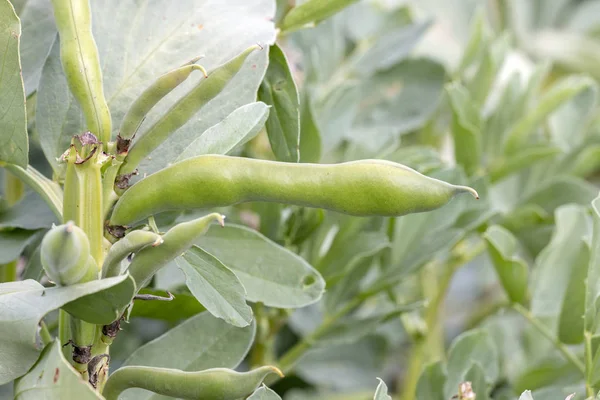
x,y
360,188
210,384
79,57
149,98
133,242
65,254
183,110
175,242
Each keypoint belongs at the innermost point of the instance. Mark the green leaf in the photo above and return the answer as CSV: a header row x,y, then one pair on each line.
x,y
431,382
215,287
592,290
478,38
14,142
270,273
310,137
470,348
389,49
12,244
466,128
105,306
199,343
559,191
348,367
192,29
183,306
312,11
264,393
279,91
31,213
557,95
24,304
556,266
234,131
53,378
511,269
381,393
502,166
39,33
476,376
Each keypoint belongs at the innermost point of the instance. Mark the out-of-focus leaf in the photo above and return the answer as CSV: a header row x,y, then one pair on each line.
x,y
592,295
476,376
310,137
511,269
270,273
585,162
556,266
12,244
39,33
347,367
264,393
421,158
381,393
279,91
388,49
53,378
215,287
24,304
431,382
477,40
504,166
557,95
568,123
183,306
31,213
199,343
312,11
561,190
473,347
14,142
236,129
466,128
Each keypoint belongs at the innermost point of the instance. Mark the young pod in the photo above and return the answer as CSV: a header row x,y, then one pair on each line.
x,y
183,110
175,242
65,253
80,61
360,188
210,384
149,98
133,242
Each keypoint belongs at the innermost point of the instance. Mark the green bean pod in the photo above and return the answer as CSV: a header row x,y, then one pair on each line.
x,y
149,98
133,242
210,384
175,242
80,61
65,253
360,188
183,110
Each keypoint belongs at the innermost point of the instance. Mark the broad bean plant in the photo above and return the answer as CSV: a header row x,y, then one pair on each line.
x,y
303,200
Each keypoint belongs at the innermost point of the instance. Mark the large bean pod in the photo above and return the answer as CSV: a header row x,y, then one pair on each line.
x,y
360,188
79,57
183,110
175,242
210,384
162,86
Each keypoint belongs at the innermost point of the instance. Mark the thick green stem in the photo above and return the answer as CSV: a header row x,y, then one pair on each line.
x,y
544,331
589,362
45,333
13,191
64,333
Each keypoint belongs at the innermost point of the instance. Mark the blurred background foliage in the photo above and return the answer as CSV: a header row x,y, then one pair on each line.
x,y
501,95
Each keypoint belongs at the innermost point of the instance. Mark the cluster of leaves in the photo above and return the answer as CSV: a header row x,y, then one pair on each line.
x,y
368,82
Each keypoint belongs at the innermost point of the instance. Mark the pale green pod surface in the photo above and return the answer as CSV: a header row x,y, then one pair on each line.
x,y
210,384
133,242
183,110
162,86
175,242
65,251
360,188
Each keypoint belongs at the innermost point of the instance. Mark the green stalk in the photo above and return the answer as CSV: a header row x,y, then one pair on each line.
x,y
589,362
45,334
544,331
64,333
13,191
